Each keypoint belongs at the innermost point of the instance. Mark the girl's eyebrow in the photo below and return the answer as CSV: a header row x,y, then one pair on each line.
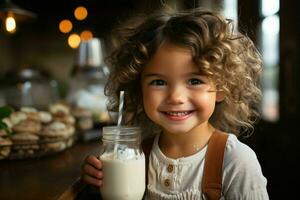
x,y
196,73
153,74
189,74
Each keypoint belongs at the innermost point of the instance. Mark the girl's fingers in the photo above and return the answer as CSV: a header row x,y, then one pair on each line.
x,y
91,180
92,171
92,160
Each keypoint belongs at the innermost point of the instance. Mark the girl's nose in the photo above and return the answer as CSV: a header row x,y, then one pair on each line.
x,y
176,96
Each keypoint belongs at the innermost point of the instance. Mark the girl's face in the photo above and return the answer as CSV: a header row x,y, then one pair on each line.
x,y
175,95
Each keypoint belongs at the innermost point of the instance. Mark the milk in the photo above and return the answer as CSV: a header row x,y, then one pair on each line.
x,y
123,179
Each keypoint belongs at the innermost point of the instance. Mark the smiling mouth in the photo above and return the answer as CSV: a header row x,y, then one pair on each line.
x,y
178,115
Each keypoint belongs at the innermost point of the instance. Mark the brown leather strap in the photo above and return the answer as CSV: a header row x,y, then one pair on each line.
x,y
212,174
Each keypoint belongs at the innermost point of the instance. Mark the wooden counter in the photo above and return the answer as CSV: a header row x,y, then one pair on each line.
x,y
43,178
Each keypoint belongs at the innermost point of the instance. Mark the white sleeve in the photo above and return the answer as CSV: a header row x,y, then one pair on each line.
x,y
242,175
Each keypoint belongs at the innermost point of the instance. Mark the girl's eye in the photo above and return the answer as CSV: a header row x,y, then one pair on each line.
x,y
194,81
158,82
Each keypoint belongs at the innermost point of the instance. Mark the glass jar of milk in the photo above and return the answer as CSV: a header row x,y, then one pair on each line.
x,y
123,163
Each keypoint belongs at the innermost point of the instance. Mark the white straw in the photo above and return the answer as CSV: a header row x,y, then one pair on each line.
x,y
121,103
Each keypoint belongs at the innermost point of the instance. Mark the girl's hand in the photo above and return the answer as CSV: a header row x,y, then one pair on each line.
x,y
91,171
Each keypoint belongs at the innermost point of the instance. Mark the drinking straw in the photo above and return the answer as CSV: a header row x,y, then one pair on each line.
x,y
121,103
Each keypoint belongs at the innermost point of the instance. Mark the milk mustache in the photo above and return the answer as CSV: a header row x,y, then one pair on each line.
x,y
123,164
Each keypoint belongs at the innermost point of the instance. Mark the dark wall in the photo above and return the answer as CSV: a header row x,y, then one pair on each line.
x,y
288,136
277,143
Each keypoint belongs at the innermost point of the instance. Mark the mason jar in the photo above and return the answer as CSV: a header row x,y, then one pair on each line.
x,y
123,163
88,78
29,87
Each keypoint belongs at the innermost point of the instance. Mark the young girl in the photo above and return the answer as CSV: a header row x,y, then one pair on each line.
x,y
188,75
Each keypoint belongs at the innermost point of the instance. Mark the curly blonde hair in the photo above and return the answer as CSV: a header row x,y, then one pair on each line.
x,y
230,59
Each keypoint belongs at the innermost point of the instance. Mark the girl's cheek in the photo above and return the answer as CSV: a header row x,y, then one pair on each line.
x,y
205,102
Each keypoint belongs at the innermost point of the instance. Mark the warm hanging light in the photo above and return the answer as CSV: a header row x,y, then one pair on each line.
x,y
11,14
10,23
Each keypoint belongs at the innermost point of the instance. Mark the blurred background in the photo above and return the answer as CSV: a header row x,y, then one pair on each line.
x,y
48,43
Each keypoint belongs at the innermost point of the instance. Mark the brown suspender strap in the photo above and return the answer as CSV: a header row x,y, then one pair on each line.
x,y
213,164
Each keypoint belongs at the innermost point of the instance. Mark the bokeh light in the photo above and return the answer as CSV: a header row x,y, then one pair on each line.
x,y
65,26
80,13
86,35
74,40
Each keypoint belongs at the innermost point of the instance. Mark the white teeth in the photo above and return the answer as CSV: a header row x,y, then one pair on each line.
x,y
177,113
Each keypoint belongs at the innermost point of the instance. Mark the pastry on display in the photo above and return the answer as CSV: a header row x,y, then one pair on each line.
x,y
57,130
31,113
3,133
45,117
25,138
84,120
59,133
59,108
34,133
84,124
5,147
17,117
64,118
28,126
25,144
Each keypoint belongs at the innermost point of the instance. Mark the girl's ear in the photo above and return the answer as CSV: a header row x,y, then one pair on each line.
x,y
220,96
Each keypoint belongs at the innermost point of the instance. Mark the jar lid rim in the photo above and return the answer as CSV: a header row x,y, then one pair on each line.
x,y
122,130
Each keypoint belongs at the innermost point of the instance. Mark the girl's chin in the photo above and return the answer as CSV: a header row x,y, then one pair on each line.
x,y
176,131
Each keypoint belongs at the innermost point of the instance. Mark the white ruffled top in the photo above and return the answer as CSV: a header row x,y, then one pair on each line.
x,y
180,179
